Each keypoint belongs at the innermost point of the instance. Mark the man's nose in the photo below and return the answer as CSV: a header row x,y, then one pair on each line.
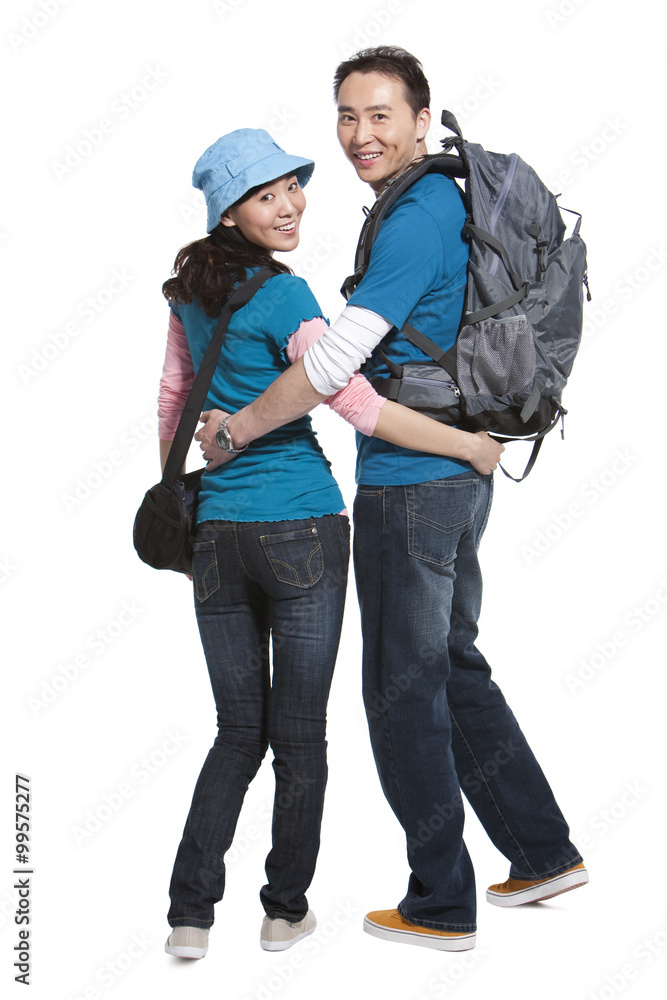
x,y
362,132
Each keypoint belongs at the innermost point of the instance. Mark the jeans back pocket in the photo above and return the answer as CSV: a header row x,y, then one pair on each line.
x,y
438,515
295,557
205,574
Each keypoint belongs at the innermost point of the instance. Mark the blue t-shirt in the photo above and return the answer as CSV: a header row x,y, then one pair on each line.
x,y
416,273
283,475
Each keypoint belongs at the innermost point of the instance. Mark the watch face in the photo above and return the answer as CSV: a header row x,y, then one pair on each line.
x,y
223,438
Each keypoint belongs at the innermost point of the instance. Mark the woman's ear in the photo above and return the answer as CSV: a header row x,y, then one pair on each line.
x,y
226,219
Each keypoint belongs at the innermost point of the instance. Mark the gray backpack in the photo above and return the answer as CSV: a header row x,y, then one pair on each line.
x,y
522,321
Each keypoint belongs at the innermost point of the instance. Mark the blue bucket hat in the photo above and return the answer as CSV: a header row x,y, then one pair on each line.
x,y
239,161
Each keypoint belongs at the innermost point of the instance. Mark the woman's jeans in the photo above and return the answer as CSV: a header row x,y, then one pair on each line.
x,y
437,721
276,586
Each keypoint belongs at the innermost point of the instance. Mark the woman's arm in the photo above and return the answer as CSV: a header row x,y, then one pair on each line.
x,y
175,384
411,429
372,414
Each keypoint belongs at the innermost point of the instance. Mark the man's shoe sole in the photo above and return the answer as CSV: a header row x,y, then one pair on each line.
x,y
545,890
458,942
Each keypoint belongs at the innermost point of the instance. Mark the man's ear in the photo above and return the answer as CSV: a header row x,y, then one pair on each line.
x,y
423,122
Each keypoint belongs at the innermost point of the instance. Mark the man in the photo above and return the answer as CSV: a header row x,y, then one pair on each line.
x,y
418,522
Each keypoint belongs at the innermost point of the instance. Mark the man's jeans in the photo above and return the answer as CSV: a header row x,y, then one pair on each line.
x,y
438,723
278,585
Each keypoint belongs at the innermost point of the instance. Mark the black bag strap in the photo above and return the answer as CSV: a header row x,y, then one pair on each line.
x,y
531,462
202,383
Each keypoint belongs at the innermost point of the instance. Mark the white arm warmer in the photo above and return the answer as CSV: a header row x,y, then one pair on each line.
x,y
341,350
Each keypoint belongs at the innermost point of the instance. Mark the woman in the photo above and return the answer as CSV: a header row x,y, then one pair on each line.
x,y
272,539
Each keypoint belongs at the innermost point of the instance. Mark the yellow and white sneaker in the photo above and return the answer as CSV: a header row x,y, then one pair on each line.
x,y
389,925
513,892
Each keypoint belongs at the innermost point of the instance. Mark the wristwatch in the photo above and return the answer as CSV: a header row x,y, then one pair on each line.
x,y
223,439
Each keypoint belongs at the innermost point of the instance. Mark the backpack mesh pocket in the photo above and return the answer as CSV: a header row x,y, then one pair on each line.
x,y
495,357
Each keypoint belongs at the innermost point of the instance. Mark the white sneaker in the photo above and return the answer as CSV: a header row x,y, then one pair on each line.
x,y
279,934
187,942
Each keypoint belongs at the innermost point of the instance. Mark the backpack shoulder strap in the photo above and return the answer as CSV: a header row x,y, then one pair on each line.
x,y
441,163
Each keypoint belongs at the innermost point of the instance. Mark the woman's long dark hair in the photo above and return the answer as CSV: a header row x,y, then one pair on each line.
x,y
208,269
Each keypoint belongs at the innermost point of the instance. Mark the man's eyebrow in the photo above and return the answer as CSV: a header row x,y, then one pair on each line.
x,y
372,107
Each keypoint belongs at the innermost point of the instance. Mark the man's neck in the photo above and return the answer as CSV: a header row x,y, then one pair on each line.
x,y
420,151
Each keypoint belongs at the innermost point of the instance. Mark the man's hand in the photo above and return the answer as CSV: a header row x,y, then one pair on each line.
x,y
206,436
486,453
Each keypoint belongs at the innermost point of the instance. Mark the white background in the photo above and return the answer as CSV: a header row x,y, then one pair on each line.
x,y
107,706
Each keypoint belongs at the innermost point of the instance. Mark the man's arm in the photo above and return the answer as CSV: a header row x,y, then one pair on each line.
x,y
326,368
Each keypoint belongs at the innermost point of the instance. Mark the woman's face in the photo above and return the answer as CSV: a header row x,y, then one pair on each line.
x,y
270,217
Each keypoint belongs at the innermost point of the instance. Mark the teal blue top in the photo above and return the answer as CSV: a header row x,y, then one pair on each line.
x,y
285,474
417,273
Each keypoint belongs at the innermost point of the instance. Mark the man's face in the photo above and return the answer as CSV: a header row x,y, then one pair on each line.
x,y
377,128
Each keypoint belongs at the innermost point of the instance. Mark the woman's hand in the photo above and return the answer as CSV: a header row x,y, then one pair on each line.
x,y
206,436
485,453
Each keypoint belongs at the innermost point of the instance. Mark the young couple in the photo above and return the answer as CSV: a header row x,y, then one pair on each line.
x,y
272,540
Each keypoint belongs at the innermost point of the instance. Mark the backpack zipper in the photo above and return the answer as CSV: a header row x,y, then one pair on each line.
x,y
500,204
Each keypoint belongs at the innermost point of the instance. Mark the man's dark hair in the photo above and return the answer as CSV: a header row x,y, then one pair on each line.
x,y
390,61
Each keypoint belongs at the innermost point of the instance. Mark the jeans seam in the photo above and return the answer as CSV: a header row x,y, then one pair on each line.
x,y
485,783
386,714
191,922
